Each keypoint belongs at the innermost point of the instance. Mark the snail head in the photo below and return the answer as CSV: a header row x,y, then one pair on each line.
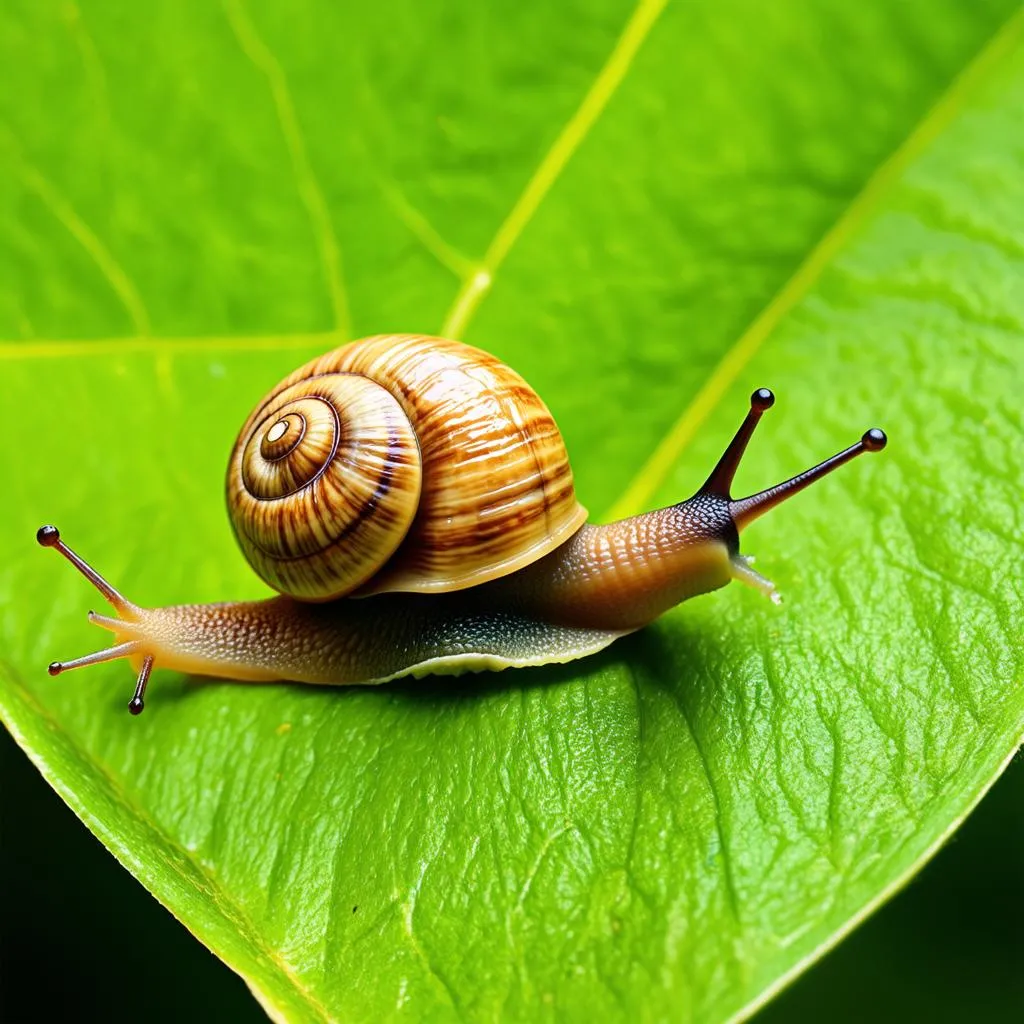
x,y
724,517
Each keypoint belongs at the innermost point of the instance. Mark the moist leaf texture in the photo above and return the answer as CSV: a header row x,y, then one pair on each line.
x,y
648,211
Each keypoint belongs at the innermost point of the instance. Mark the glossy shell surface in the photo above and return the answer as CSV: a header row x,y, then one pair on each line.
x,y
399,463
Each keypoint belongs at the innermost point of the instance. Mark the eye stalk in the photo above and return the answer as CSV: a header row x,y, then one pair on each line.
x,y
49,537
743,511
719,483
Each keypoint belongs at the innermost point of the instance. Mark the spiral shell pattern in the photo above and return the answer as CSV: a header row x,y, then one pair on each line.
x,y
323,484
435,468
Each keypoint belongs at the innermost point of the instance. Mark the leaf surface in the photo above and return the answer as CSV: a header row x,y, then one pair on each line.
x,y
648,211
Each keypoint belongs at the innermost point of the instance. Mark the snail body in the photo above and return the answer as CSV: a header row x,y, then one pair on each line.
x,y
411,500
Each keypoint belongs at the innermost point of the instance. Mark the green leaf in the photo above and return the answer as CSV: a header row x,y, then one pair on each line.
x,y
648,212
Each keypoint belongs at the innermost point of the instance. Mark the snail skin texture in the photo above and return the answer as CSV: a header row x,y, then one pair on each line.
x,y
411,500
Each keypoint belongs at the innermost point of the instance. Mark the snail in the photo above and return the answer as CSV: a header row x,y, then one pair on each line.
x,y
411,500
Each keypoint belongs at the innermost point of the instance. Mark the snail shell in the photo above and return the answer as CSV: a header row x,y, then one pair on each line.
x,y
399,463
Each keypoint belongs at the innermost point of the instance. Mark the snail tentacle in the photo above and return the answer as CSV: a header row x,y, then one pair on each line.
x,y
131,648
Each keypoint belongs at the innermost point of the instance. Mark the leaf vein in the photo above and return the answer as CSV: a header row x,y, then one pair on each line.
x,y
307,185
62,210
732,895
408,911
425,233
568,141
938,116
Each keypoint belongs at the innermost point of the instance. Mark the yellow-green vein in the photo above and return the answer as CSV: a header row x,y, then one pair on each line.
x,y
608,79
657,467
425,232
309,189
65,213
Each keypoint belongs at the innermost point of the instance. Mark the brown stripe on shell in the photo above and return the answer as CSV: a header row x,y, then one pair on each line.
x,y
319,521
496,488
485,436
